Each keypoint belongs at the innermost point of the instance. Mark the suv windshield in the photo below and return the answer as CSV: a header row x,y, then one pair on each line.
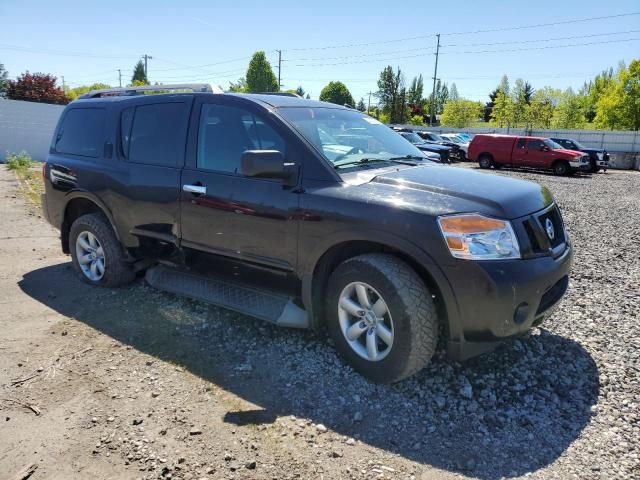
x,y
552,145
343,135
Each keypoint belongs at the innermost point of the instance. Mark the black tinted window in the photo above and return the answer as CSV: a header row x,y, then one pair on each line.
x,y
157,134
81,132
535,144
521,142
225,132
126,121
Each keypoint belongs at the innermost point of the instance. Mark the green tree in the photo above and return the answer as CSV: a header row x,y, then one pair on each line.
x,y
300,91
414,95
260,76
238,87
539,111
74,93
453,93
488,107
36,87
502,113
504,85
461,113
138,75
568,114
4,82
361,105
392,95
442,96
619,105
338,93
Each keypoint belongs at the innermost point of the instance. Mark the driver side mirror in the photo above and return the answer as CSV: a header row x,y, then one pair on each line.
x,y
544,148
262,164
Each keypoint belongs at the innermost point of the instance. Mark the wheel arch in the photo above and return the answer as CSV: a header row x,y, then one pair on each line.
x,y
320,267
81,203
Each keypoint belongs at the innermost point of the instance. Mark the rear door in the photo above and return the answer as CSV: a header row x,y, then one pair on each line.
x,y
250,222
520,154
144,193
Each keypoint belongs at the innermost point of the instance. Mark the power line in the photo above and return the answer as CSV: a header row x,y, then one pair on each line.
x,y
541,39
57,52
467,52
202,66
471,32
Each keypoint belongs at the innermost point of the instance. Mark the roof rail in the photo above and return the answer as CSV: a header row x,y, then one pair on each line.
x,y
280,94
131,91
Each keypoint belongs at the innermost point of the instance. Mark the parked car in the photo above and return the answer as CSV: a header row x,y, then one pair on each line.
x,y
599,157
456,152
245,201
532,152
418,142
461,144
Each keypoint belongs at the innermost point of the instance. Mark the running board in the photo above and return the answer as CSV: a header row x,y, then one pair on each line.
x,y
271,307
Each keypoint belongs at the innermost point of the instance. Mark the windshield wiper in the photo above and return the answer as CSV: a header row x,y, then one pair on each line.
x,y
408,157
360,161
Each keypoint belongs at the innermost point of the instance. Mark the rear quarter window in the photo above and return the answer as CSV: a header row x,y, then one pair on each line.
x,y
81,132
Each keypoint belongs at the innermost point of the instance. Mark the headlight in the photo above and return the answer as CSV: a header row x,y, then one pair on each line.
x,y
476,237
600,155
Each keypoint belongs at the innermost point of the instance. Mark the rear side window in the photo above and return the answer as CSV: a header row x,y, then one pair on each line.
x,y
157,134
81,132
521,142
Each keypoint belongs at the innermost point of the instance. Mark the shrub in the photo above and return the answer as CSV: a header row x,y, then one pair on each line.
x,y
384,117
416,120
18,161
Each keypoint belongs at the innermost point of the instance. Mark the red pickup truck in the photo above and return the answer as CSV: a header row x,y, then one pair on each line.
x,y
533,152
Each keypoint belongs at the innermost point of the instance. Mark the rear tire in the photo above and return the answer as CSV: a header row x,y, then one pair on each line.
x,y
561,168
485,161
96,253
404,328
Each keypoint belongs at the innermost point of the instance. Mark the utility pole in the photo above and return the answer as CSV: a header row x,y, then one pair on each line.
x,y
435,75
146,57
279,67
120,78
369,104
63,84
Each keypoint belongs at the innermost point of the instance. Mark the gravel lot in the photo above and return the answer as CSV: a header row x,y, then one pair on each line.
x,y
135,383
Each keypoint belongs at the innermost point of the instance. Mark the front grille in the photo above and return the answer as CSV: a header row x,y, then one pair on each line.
x,y
557,230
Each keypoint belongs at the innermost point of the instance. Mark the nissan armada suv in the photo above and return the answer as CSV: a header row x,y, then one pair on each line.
x,y
264,204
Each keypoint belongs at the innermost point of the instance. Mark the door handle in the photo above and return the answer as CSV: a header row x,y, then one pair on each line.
x,y
197,189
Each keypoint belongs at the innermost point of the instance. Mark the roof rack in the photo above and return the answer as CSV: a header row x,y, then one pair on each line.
x,y
132,91
280,94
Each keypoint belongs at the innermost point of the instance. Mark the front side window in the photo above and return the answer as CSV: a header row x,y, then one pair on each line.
x,y
521,143
81,132
226,132
157,137
535,144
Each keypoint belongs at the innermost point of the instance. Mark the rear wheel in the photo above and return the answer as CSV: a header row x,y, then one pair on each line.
x,y
96,253
485,161
561,168
381,317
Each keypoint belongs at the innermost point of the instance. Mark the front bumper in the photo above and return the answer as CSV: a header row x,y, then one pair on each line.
x,y
582,165
503,299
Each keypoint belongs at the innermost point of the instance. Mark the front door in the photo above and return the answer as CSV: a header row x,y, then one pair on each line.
x,y
248,223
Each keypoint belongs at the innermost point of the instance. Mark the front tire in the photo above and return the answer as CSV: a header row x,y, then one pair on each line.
x,y
96,254
561,168
381,317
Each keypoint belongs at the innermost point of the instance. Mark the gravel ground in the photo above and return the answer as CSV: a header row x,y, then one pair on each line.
x,y
136,383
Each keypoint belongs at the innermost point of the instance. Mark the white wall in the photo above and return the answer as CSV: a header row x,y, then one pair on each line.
x,y
27,126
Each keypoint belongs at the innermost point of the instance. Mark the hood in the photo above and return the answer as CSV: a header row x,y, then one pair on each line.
x,y
568,153
432,147
439,190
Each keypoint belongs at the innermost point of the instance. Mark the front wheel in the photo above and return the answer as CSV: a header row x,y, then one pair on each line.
x,y
381,317
561,168
96,253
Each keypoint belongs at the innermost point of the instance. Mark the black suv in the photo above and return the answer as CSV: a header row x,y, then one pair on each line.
x,y
305,214
598,157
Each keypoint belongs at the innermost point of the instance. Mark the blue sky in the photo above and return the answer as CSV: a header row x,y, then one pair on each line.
x,y
210,41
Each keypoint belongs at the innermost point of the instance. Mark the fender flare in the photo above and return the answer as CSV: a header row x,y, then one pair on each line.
x,y
416,253
75,194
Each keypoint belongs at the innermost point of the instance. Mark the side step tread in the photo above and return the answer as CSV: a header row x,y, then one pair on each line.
x,y
267,306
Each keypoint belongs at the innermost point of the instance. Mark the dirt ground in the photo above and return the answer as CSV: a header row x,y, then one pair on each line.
x,y
135,383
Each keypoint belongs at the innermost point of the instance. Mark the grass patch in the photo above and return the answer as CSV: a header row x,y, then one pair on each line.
x,y
28,173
